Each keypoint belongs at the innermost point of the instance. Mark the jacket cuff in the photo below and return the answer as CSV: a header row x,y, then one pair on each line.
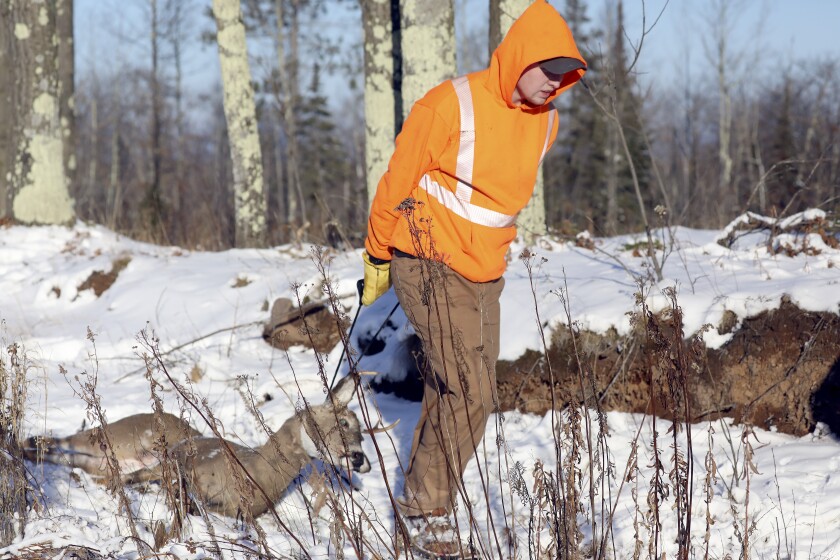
x,y
377,260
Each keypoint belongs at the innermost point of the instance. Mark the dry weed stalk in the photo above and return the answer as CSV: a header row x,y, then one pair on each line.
x,y
566,478
245,483
670,362
86,389
709,482
172,478
632,478
749,467
13,482
342,500
601,466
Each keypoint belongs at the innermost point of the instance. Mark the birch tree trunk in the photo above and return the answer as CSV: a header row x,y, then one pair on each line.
x,y
531,220
33,181
67,89
7,110
241,116
721,17
428,47
502,15
382,93
724,115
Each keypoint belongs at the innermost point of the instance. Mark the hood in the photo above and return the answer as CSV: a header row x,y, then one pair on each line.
x,y
539,34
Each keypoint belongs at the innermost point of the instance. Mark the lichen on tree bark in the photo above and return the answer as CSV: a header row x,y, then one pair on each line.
x,y
380,96
34,182
241,116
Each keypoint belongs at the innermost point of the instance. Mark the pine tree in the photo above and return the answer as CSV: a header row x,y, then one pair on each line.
x,y
589,179
574,168
628,110
326,158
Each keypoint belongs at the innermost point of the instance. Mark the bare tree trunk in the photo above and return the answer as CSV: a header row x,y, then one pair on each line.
x,y
281,149
614,68
428,47
287,76
241,116
758,157
834,174
93,149
357,205
153,202
724,111
721,17
176,38
502,15
803,170
612,158
381,93
66,88
33,179
113,203
7,109
292,96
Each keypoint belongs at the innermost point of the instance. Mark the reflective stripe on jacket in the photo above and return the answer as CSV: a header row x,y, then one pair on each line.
x,y
466,160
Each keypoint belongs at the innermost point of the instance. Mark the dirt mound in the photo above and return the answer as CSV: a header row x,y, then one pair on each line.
x,y
780,369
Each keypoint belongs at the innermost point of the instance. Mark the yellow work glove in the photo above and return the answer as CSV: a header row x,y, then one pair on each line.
x,y
377,278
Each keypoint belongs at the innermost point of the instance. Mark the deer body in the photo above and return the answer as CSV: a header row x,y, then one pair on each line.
x,y
132,441
216,470
208,469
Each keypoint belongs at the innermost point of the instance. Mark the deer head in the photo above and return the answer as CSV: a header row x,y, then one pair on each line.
x,y
332,432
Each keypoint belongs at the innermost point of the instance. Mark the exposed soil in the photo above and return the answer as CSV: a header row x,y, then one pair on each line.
x,y
781,370
99,281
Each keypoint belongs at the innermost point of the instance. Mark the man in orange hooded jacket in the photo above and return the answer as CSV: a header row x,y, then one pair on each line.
x,y
440,225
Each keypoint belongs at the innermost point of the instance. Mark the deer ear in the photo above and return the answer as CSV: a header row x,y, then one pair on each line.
x,y
344,391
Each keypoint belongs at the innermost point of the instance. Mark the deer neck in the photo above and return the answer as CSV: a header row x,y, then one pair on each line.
x,y
289,445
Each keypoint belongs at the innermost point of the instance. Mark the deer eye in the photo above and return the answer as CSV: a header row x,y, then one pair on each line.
x,y
344,423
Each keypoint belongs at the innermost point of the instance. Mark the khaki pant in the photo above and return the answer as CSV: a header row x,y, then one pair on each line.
x,y
458,323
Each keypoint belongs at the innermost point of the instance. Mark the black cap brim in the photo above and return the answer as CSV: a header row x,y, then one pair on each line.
x,y
561,65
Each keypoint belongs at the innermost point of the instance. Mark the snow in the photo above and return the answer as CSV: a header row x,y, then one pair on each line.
x,y
179,297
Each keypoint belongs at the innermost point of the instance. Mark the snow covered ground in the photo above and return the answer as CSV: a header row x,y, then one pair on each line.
x,y
181,296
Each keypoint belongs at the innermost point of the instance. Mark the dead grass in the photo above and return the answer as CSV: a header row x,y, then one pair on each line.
x,y
13,481
567,502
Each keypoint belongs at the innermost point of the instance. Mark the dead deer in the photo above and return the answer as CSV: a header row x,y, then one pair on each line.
x,y
132,439
210,467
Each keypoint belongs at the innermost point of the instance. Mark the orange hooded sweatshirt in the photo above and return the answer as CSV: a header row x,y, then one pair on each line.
x,y
466,160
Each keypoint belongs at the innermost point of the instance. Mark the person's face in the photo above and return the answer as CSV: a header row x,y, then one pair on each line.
x,y
535,86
